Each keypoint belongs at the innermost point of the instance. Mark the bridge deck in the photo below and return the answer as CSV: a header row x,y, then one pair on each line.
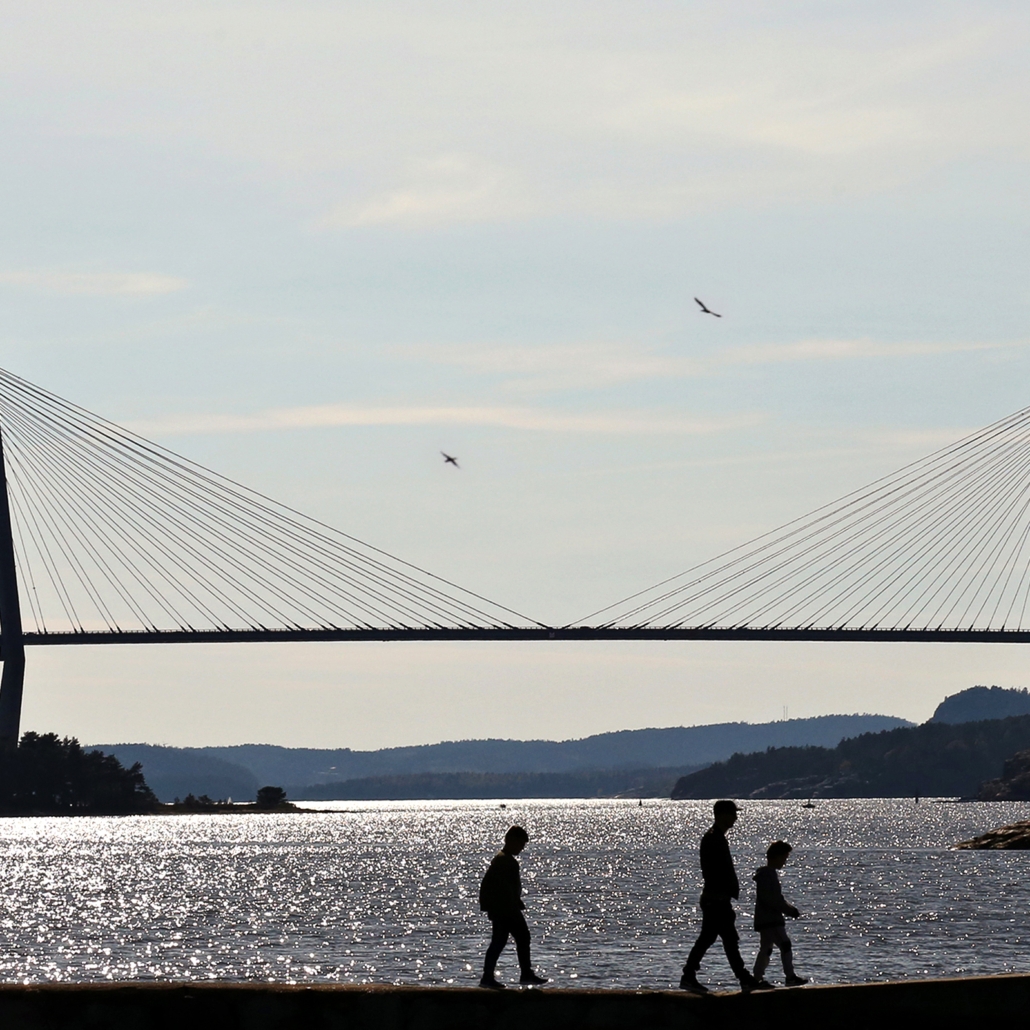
x,y
256,636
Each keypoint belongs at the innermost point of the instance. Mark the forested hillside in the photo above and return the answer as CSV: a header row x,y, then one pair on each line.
x,y
639,783
979,703
236,771
935,759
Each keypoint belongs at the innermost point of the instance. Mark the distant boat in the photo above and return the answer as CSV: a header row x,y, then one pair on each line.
x,y
808,804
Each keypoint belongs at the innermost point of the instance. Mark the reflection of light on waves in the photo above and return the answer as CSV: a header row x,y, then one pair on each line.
x,y
386,891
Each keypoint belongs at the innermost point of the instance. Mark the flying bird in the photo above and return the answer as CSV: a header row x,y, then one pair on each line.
x,y
707,311
448,460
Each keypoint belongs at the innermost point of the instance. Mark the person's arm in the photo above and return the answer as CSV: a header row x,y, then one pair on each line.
x,y
789,909
518,889
786,907
770,894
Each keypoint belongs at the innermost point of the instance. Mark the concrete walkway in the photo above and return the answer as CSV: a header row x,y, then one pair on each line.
x,y
913,1005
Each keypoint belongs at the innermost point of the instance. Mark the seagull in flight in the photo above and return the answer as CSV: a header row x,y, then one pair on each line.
x,y
448,460
705,310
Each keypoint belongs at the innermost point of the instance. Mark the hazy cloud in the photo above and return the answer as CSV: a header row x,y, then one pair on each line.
x,y
329,415
452,188
499,112
96,284
602,364
839,350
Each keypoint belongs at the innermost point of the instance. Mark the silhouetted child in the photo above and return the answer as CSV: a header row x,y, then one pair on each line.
x,y
500,897
770,908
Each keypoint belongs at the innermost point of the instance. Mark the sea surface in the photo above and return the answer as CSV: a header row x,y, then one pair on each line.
x,y
387,892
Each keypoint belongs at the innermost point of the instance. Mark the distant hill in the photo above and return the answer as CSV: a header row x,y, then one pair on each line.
x,y
238,770
935,759
978,703
606,783
173,772
630,749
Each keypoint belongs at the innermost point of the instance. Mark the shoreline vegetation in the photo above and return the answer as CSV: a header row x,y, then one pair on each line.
x,y
47,775
269,801
933,760
50,775
469,786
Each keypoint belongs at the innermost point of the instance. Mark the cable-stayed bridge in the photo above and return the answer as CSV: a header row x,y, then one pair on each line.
x,y
108,538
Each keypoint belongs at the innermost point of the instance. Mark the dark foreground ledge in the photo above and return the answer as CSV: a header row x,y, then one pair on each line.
x,y
230,1006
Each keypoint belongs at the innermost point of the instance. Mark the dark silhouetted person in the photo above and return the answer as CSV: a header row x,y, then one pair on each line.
x,y
500,897
717,914
770,908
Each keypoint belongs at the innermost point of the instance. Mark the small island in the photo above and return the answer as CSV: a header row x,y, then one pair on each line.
x,y
269,799
1014,837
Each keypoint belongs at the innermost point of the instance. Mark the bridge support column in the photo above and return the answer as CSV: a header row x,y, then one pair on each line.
x,y
12,645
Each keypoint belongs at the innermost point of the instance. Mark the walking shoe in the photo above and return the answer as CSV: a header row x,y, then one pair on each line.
x,y
491,983
689,982
748,984
796,981
532,978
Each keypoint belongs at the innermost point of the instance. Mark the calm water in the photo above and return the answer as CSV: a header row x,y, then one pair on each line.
x,y
386,891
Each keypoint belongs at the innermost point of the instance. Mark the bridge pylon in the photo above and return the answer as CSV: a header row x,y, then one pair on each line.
x,y
12,644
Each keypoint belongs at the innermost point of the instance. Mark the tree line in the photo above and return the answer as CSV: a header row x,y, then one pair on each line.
x,y
935,759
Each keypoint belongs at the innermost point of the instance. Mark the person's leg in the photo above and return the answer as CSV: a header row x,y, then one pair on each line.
x,y
498,940
786,954
731,944
705,939
518,929
764,954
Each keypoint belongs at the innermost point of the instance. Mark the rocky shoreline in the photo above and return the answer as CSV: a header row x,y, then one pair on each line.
x,y
1014,837
1014,783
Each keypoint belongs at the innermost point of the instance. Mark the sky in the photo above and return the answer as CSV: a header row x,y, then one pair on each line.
x,y
312,244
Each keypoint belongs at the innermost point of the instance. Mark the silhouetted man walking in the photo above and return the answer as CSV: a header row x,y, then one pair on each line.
x,y
717,915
